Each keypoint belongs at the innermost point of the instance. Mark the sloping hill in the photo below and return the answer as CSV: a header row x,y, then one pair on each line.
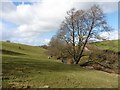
x,y
102,56
28,67
108,45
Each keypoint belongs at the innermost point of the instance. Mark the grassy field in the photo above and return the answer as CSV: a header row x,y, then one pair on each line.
x,y
108,45
28,66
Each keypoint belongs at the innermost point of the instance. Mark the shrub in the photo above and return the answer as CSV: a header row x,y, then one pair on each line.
x,y
106,60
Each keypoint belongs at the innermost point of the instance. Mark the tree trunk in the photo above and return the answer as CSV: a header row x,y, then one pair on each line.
x,y
85,43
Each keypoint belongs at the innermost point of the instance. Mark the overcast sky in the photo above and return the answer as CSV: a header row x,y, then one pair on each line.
x,y
35,22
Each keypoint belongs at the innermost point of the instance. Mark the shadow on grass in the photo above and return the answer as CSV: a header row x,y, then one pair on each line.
x,y
10,52
29,65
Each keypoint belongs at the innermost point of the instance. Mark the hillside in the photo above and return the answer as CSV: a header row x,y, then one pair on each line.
x,y
29,67
102,56
108,45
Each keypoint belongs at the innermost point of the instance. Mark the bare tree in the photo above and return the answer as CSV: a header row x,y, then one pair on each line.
x,y
79,26
56,47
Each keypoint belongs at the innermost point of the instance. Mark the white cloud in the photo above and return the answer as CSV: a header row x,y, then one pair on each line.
x,y
43,16
61,0
39,17
109,7
46,41
110,35
5,33
1,30
31,41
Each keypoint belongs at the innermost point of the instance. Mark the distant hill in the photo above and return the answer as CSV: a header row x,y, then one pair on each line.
x,y
108,45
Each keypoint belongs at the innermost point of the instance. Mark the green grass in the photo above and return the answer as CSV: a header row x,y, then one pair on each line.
x,y
34,69
108,45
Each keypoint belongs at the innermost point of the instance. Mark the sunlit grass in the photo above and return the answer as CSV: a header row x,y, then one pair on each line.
x,y
35,70
108,45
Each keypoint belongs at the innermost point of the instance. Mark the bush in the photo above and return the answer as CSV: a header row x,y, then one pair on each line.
x,y
106,60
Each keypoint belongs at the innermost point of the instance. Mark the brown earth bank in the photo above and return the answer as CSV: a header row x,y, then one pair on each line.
x,y
103,60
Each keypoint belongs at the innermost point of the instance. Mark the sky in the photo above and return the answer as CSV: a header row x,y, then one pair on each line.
x,y
34,22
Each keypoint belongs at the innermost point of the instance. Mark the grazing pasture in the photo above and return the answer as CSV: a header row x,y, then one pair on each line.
x,y
30,67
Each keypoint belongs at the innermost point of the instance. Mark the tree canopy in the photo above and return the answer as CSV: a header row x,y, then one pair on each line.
x,y
78,27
